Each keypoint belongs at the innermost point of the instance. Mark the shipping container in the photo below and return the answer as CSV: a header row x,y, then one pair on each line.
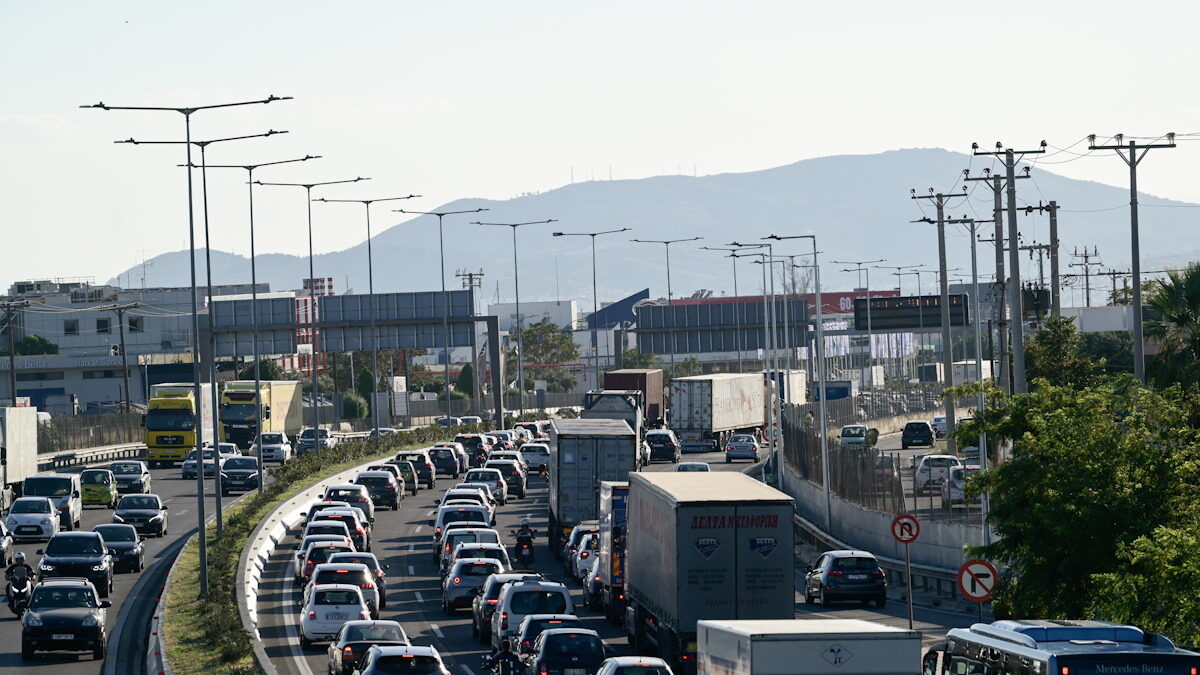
x,y
964,371
650,382
707,409
806,647
584,453
18,450
835,389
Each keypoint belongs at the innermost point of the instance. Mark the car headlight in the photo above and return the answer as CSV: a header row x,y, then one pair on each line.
x,y
11,523
45,567
101,567
47,522
88,621
32,619
118,519
158,517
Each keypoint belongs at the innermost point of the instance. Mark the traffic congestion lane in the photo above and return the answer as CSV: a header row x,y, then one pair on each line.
x,y
180,496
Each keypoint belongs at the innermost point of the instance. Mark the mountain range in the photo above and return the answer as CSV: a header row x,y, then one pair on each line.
x,y
858,206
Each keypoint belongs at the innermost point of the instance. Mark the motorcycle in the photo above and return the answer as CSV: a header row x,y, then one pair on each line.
x,y
497,667
524,548
18,590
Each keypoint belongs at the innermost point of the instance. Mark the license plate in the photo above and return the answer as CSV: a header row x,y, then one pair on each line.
x,y
236,481
63,636
338,617
575,671
858,577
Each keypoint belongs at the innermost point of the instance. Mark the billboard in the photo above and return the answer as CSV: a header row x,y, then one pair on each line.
x,y
909,311
695,328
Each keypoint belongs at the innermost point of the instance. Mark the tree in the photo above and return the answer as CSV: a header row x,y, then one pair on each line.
x,y
1056,355
324,384
632,358
267,370
465,383
684,368
1176,301
1124,295
545,344
354,407
362,383
1112,351
33,345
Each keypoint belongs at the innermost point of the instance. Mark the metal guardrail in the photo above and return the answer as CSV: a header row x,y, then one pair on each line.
x,y
91,456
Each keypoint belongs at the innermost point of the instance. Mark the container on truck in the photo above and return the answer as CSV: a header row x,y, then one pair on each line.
x,y
619,404
18,451
649,381
931,372
964,371
707,409
715,545
583,453
792,385
806,647
170,421
282,410
614,497
835,389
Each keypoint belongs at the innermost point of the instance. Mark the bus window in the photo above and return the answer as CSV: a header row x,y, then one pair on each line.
x,y
964,666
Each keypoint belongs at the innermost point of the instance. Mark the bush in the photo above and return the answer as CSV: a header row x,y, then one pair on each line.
x,y
354,406
567,413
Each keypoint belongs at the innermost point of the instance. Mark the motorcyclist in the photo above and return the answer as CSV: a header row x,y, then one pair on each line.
x,y
18,563
17,570
504,662
525,530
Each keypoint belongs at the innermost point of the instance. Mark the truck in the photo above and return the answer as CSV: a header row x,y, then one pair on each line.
x,y
170,421
620,404
835,389
649,381
792,384
964,371
712,545
18,451
806,647
614,497
583,453
707,409
282,405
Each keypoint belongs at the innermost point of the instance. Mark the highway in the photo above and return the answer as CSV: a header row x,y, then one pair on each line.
x,y
403,540
127,655
927,505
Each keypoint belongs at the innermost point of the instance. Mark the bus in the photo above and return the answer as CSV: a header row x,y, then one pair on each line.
x,y
1040,647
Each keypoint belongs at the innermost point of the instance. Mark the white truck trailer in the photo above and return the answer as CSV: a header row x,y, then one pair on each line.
x,y
806,647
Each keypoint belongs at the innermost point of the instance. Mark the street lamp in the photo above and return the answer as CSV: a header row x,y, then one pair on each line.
x,y
445,296
187,127
667,245
737,318
370,299
312,297
595,301
517,292
900,271
859,267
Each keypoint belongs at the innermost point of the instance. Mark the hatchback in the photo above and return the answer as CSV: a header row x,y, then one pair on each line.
x,y
953,488
702,467
301,551
533,625
577,651
493,478
846,575
319,553
354,495
124,545
99,487
422,464
327,609
916,432
521,598
663,445
359,529
466,514
465,578
382,487
514,476
356,637
377,568
482,551
932,471
32,518
634,665
853,436
346,573
464,535
407,660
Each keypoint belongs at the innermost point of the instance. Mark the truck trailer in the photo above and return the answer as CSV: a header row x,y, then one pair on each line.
x,y
712,545
707,409
171,421
620,404
18,451
584,453
614,498
806,647
282,410
649,381
791,385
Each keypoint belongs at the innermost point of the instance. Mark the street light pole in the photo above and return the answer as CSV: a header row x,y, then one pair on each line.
x,y
517,293
737,318
595,295
667,245
860,268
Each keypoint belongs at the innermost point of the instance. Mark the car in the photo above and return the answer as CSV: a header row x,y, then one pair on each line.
x,y
464,462
146,513
390,468
464,579
470,495
301,551
530,427
582,559
536,456
78,554
124,545
239,473
408,475
63,489
273,446
382,487
6,545
32,518
663,445
390,659
521,598
445,461
480,516
227,449
318,439
634,665
846,575
694,466
514,455
327,608
324,526
494,478
356,637
321,505
932,470
916,432
560,650
482,551
741,446
64,615
514,476
477,446
939,425
423,465
853,436
381,431
448,422
574,538
533,625
953,487
484,604
212,463
593,587
463,535
99,488
471,419
377,568
359,530
131,475
319,553
483,488
356,496
346,573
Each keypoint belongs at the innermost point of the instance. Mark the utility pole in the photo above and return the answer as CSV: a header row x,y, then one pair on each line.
x,y
11,309
1087,265
120,310
470,282
1113,274
1040,250
1129,153
1055,289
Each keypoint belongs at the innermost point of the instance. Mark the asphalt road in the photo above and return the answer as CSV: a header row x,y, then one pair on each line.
x,y
180,496
927,505
403,540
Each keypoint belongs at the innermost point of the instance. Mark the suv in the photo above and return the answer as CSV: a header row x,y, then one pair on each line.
x,y
65,491
408,475
495,480
916,432
484,604
663,445
382,487
78,554
536,455
353,494
455,513
568,650
273,446
846,575
953,487
315,439
421,462
522,598
445,461
65,615
932,471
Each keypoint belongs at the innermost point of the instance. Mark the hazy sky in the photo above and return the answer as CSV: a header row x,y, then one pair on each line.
x,y
490,99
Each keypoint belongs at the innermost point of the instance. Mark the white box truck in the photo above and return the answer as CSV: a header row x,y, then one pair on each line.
x,y
707,409
584,453
18,451
806,647
793,384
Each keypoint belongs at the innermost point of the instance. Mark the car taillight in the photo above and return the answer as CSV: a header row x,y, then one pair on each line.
x,y
596,578
728,448
362,614
457,580
543,671
837,573
437,531
492,601
347,653
504,621
585,554
368,585
312,615
878,573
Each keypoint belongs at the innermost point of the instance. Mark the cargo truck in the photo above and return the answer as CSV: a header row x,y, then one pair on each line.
x,y
282,410
712,545
806,647
583,453
649,381
170,421
707,409
18,451
614,497
792,384
835,389
620,404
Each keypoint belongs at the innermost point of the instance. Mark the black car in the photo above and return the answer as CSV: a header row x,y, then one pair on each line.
x,y
124,545
382,488
64,615
445,461
423,465
147,513
916,433
560,650
78,554
663,445
239,473
846,575
513,475
352,641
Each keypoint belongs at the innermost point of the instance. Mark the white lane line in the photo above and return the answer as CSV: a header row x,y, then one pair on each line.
x,y
293,630
436,631
411,547
468,669
430,513
180,513
419,598
417,529
411,572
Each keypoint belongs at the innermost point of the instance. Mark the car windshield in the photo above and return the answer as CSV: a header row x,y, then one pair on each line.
x,y
463,516
116,532
74,546
241,463
641,670
658,438
478,569
338,577
47,486
30,506
272,438
406,664
572,644
742,438
138,502
916,426
538,602
95,478
855,564
51,597
170,420
483,476
344,494
360,559
337,597
126,467
320,554
374,480
442,453
854,432
375,633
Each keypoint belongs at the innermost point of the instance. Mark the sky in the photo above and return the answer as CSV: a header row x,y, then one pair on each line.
x,y
483,99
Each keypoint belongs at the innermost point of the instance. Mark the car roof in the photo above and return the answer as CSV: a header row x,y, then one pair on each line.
x,y
400,650
546,634
336,587
352,567
323,521
343,486
636,661
65,581
549,617
462,562
373,474
850,553
78,535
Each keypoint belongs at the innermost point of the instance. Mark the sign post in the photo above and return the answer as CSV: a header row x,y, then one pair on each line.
x,y
906,528
976,581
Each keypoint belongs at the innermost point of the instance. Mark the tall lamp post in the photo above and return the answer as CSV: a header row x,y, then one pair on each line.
x,y
667,246
370,297
445,296
737,318
187,126
860,268
898,272
595,301
312,298
517,293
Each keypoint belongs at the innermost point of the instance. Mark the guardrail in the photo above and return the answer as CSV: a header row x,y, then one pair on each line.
x,y
91,456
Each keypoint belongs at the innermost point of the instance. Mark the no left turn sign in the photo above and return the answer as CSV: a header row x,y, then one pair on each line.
x,y
906,529
977,579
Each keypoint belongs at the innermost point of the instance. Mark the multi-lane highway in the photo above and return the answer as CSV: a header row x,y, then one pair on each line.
x,y
403,540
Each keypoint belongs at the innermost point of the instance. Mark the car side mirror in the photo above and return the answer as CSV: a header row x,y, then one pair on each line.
x,y
105,604
75,493
40,551
112,551
608,650
438,500
385,567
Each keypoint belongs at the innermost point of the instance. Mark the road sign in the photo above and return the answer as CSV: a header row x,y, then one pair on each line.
x,y
976,579
906,529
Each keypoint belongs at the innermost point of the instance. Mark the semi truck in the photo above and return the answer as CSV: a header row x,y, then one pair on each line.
x,y
614,497
792,385
18,451
713,545
806,647
170,421
620,404
835,389
707,409
282,405
584,453
649,381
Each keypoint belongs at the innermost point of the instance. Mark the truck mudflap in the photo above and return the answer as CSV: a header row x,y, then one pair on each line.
x,y
646,633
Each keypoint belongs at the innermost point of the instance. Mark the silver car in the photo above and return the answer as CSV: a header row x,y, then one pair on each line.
x,y
741,446
465,579
275,447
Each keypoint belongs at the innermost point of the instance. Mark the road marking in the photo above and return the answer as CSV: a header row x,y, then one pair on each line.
x,y
430,513
293,630
419,598
411,572
410,550
436,631
180,513
417,529
468,669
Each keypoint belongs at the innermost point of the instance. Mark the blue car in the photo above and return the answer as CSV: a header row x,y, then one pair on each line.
x,y
445,461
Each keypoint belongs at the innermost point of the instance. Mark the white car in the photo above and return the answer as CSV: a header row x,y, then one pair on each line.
x,y
693,466
933,470
581,560
634,665
32,518
328,607
275,447
307,543
536,455
510,454
354,574
939,425
493,478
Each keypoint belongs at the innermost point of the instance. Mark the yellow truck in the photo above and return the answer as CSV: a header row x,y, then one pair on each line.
x,y
282,404
170,421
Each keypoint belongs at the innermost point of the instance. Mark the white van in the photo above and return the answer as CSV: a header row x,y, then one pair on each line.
x,y
522,598
63,489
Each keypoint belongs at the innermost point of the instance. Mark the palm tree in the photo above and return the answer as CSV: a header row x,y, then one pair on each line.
x,y
1176,328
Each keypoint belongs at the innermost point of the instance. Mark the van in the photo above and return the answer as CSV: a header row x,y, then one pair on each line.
x,y
522,598
447,514
64,490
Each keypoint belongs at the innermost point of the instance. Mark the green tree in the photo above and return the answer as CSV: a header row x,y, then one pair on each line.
x,y
1111,350
32,345
1176,301
684,368
354,407
465,384
545,344
363,383
324,384
632,358
267,370
1056,355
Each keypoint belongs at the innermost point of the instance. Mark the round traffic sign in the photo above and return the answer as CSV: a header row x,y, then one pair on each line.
x,y
977,579
905,528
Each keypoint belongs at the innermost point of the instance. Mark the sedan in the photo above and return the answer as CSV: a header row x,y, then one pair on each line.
x,y
65,615
741,446
124,545
464,582
559,649
212,459
351,643
239,473
147,513
275,447
132,476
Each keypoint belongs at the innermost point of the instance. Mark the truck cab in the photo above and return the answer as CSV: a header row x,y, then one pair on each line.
x,y
171,422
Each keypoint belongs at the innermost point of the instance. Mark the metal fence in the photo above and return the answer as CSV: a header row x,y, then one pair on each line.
x,y
89,431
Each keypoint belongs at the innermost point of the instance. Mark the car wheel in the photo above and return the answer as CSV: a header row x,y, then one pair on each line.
x,y
881,602
474,629
903,445
98,652
808,598
26,651
821,598
305,643
728,460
